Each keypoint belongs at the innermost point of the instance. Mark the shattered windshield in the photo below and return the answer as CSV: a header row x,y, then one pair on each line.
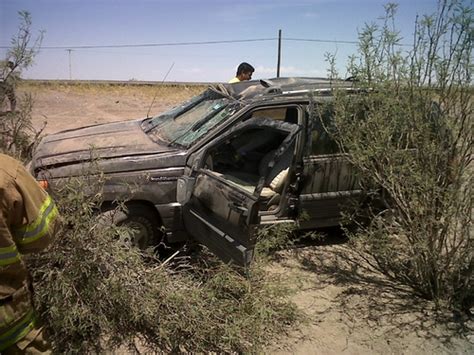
x,y
187,123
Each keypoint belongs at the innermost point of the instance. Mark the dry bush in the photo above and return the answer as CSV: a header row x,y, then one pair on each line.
x,y
282,236
94,293
411,138
17,134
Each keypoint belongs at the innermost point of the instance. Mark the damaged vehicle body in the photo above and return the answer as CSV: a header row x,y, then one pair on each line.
x,y
215,168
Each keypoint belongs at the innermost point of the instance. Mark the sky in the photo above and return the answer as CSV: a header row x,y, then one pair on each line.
x,y
167,24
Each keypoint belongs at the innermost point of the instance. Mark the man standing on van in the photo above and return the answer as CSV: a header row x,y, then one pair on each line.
x,y
28,223
244,72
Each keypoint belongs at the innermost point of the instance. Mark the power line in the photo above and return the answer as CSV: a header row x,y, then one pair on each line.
x,y
165,44
168,44
156,44
333,41
319,40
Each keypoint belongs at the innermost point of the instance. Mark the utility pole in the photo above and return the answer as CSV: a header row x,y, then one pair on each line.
x,y
279,53
70,67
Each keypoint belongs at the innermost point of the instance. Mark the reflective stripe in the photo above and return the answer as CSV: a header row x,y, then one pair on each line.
x,y
7,318
40,226
10,306
18,332
9,255
43,211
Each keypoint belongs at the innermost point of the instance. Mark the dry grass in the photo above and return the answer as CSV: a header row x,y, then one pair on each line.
x,y
169,92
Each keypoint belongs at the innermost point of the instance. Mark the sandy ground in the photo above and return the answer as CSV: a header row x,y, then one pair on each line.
x,y
66,106
350,308
353,310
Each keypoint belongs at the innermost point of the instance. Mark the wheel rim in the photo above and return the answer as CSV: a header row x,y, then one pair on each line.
x,y
138,235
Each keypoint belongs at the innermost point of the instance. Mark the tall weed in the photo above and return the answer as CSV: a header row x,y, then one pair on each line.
x,y
95,293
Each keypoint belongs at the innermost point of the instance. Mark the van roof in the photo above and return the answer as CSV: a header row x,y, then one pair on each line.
x,y
283,86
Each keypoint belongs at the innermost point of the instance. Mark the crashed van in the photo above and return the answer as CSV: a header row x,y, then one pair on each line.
x,y
214,169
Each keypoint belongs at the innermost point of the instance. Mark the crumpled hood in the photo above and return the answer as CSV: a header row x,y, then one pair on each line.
x,y
110,140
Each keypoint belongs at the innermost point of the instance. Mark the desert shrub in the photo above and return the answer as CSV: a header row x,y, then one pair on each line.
x,y
94,293
17,135
273,238
410,137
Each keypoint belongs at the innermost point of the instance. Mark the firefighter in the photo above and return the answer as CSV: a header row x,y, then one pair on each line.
x,y
28,222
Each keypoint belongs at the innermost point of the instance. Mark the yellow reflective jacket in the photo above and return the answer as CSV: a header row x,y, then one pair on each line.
x,y
28,219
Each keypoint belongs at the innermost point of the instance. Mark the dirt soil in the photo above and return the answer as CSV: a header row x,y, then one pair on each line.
x,y
350,308
65,106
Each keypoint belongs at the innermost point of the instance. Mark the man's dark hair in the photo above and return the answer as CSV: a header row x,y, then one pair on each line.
x,y
245,68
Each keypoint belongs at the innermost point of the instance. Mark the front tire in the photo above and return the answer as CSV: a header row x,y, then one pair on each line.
x,y
144,227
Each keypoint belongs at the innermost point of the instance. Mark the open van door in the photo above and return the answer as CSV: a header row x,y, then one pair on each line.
x,y
220,192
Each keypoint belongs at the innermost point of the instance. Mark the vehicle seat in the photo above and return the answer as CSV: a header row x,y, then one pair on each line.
x,y
278,175
276,185
291,115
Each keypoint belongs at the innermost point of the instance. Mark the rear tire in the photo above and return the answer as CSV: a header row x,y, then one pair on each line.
x,y
144,226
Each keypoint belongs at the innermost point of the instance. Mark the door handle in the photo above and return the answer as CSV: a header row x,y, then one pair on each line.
x,y
238,208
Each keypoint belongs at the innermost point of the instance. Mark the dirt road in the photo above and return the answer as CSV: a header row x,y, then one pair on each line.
x,y
350,308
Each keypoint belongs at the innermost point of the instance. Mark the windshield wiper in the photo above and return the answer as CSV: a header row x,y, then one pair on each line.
x,y
153,125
